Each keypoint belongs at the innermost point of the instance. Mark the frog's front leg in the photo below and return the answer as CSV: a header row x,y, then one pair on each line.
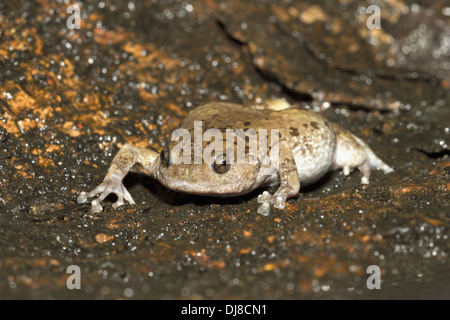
x,y
125,159
289,181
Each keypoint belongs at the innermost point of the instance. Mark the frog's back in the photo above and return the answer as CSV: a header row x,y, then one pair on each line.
x,y
312,140
310,135
223,115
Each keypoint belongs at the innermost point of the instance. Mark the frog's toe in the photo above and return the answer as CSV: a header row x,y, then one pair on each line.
x,y
82,197
122,194
96,206
365,180
280,202
103,190
264,197
264,209
346,170
119,202
127,195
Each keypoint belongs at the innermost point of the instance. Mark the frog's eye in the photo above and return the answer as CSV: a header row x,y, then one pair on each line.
x,y
166,160
221,164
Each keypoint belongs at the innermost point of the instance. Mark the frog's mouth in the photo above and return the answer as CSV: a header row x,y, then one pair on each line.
x,y
204,189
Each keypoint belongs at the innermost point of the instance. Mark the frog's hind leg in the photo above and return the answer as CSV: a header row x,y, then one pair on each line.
x,y
365,170
352,152
373,161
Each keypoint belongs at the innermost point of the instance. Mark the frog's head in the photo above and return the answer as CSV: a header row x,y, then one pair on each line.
x,y
216,176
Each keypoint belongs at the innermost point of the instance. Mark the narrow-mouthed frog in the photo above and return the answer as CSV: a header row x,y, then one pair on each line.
x,y
301,147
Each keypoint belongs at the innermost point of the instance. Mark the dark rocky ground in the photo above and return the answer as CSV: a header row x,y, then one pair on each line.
x,y
70,98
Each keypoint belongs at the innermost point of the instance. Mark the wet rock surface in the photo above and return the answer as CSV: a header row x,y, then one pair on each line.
x,y
70,98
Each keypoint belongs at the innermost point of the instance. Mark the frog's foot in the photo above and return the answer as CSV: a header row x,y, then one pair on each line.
x,y
346,170
278,200
265,199
108,186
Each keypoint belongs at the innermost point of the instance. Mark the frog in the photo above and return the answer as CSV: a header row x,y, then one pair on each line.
x,y
303,146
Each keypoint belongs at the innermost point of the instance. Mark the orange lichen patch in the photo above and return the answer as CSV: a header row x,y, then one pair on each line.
x,y
152,126
204,259
54,262
284,263
100,118
20,100
22,169
42,104
217,264
10,125
284,15
147,96
195,253
270,239
53,147
86,244
13,40
71,129
270,267
445,83
46,162
320,270
27,124
102,237
108,37
142,142
313,14
91,100
112,226
434,222
277,219
247,233
290,208
176,109
25,175
399,191
245,251
404,190
152,56
439,170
